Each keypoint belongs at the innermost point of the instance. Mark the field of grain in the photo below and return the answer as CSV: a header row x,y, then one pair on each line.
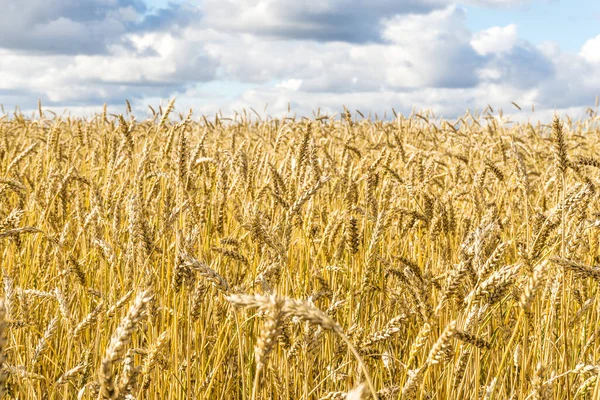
x,y
326,258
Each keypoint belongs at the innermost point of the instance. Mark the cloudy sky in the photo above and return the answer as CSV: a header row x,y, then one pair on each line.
x,y
369,55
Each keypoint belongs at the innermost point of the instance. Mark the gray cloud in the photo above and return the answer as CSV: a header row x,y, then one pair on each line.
x,y
176,16
315,54
353,21
575,83
89,94
334,20
412,55
523,66
435,47
82,26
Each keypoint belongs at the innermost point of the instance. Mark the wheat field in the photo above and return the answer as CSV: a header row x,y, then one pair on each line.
x,y
336,257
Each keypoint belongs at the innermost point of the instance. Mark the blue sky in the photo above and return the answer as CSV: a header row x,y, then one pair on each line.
x,y
568,23
226,55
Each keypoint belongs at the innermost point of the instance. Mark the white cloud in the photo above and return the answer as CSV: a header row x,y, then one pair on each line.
x,y
443,101
433,49
419,51
495,40
591,50
426,58
164,63
291,84
82,26
355,21
324,20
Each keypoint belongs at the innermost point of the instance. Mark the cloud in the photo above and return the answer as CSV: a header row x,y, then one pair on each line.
x,y
590,50
82,26
176,16
428,60
353,21
161,64
431,50
291,85
495,40
248,53
323,20
445,102
496,3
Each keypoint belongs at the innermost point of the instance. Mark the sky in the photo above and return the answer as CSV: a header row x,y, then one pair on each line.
x,y
224,56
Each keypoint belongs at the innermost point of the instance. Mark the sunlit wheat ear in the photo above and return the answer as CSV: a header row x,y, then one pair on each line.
x,y
413,383
20,372
206,272
167,112
44,342
586,387
490,389
21,156
267,339
152,356
232,254
119,304
9,298
64,308
419,342
580,268
533,286
119,340
560,146
270,332
472,340
360,392
127,380
392,327
460,368
182,159
455,278
70,375
88,321
437,350
305,312
495,286
18,231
